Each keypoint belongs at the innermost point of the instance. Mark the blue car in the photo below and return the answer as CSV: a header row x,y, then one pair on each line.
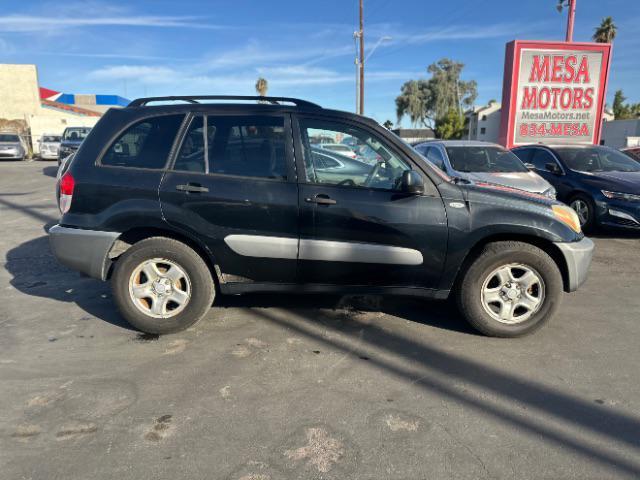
x,y
601,184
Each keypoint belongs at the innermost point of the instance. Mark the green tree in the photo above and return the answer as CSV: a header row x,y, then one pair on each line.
x,y
450,126
262,86
425,101
449,91
606,32
622,110
415,100
388,124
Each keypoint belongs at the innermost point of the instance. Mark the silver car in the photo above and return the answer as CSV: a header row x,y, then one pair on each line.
x,y
484,162
49,145
11,147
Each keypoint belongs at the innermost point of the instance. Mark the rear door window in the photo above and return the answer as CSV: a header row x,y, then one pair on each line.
x,y
146,144
245,146
251,146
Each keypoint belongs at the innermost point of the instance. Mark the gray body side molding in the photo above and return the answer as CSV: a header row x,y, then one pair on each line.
x,y
321,250
82,250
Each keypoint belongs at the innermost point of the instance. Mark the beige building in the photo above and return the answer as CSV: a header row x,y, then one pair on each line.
x,y
21,105
483,123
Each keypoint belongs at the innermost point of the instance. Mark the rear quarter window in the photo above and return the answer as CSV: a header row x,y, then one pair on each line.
x,y
145,144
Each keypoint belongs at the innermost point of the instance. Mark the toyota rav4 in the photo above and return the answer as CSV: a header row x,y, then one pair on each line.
x,y
179,199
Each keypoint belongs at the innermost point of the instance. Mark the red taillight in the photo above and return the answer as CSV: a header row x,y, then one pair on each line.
x,y
66,192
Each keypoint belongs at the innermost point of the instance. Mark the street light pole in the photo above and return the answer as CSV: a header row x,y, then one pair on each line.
x,y
571,19
357,64
361,35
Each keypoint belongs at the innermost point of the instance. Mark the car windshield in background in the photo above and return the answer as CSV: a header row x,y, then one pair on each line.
x,y
9,138
76,133
51,139
484,160
597,160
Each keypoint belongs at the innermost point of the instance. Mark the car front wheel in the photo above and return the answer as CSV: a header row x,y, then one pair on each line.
x,y
510,289
585,210
160,286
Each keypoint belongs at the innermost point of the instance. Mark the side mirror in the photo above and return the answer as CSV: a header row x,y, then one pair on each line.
x,y
553,168
411,183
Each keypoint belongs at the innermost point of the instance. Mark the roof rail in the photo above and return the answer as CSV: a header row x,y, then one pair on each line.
x,y
141,102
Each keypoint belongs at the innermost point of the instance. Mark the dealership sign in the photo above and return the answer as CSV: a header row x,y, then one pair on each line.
x,y
553,92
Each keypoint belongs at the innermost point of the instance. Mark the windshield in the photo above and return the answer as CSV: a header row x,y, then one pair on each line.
x,y
76,134
484,160
51,138
9,138
597,159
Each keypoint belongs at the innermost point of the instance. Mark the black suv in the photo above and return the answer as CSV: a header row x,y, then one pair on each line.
x,y
197,196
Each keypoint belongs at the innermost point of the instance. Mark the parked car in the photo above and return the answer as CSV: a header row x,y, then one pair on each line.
x,y
601,184
71,140
49,146
179,203
339,148
336,168
484,162
11,147
633,152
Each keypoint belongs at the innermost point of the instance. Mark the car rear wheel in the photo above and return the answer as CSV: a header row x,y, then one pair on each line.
x,y
510,289
585,210
160,286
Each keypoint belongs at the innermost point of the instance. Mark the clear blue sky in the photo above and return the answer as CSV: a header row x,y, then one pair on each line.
x,y
304,48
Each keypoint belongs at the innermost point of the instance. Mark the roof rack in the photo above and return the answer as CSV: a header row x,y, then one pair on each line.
x,y
141,102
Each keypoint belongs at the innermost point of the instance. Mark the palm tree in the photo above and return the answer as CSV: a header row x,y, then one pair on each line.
x,y
262,86
606,32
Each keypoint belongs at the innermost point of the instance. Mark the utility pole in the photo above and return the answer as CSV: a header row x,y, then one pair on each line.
x,y
570,19
361,35
357,64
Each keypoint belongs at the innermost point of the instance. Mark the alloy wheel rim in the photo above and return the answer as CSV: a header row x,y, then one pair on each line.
x,y
159,288
513,293
582,210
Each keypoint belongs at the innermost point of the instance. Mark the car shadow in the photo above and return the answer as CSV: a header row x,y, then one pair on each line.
x,y
50,171
35,271
614,234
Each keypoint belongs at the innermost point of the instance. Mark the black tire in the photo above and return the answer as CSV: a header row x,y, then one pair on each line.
x,y
201,284
590,223
493,256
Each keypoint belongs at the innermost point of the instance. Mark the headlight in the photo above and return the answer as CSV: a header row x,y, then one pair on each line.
x,y
567,216
551,193
629,197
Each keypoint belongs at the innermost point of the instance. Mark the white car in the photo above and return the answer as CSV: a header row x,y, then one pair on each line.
x,y
484,162
344,150
49,146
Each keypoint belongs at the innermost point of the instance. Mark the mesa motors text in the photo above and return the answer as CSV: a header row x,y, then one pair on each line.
x,y
558,95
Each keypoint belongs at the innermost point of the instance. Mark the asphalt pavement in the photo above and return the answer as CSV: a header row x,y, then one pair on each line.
x,y
273,387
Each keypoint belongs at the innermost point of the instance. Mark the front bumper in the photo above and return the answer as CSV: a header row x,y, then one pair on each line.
x,y
47,155
11,154
578,256
83,250
617,213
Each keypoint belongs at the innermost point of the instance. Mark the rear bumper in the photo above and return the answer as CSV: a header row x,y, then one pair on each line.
x,y
83,250
578,256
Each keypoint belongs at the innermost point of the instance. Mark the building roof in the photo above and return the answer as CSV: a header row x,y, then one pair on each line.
x,y
69,108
